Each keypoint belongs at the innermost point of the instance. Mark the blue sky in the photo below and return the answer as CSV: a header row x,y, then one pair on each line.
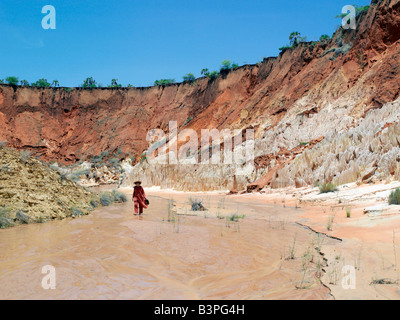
x,y
138,42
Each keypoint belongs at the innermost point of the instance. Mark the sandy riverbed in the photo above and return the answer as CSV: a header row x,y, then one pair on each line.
x,y
112,254
370,240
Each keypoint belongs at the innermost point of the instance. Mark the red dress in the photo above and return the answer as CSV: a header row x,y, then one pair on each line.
x,y
139,198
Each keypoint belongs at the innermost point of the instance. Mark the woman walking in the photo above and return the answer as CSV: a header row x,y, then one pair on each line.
x,y
139,198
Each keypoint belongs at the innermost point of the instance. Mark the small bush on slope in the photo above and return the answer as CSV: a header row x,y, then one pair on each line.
x,y
327,187
394,197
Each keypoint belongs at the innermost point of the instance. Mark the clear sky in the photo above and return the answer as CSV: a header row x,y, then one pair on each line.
x,y
139,41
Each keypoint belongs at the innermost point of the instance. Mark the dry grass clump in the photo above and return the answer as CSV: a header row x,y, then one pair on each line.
x,y
197,204
327,187
384,281
108,198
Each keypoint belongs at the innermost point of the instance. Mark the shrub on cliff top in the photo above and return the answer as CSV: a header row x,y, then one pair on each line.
x,y
324,37
359,10
12,80
189,77
89,83
115,84
211,75
295,38
43,83
394,197
163,82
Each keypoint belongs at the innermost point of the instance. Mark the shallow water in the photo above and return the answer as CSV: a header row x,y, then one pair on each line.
x,y
112,254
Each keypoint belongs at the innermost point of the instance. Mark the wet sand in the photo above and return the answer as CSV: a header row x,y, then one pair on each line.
x,y
370,244
112,254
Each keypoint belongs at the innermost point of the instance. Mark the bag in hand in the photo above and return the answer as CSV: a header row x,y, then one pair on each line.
x,y
147,202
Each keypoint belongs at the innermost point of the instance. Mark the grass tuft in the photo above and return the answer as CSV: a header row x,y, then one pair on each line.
x,y
394,197
327,187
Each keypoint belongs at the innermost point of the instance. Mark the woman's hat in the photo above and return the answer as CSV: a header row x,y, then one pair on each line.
x,y
138,182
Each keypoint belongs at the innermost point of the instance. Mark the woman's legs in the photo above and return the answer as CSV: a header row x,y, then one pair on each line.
x,y
138,206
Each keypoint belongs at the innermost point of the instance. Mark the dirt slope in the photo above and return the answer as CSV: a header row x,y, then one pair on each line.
x,y
31,192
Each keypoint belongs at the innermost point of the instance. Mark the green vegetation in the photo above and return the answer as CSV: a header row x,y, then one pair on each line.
x,y
359,10
23,218
119,196
76,175
12,80
284,48
348,212
324,37
197,204
76,212
211,75
394,197
205,71
227,65
107,159
24,83
55,83
327,187
235,217
115,84
43,83
143,158
89,83
106,199
292,250
189,77
295,39
188,120
5,220
163,82
94,203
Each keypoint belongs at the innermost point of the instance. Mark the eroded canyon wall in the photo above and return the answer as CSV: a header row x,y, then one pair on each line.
x,y
315,91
